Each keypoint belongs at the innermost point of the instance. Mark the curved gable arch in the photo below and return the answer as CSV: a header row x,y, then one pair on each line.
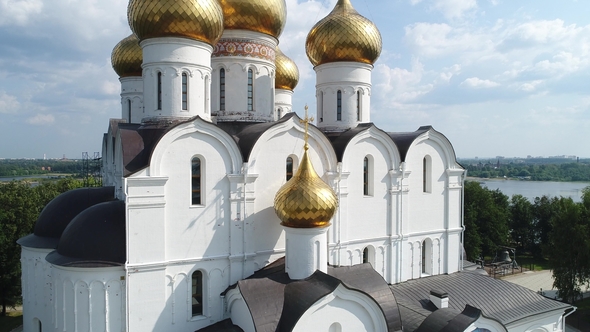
x,y
200,126
327,152
361,312
379,137
439,140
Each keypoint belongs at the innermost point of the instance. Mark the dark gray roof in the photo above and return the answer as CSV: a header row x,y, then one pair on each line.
x,y
58,213
341,139
222,326
500,300
403,141
94,238
276,302
450,320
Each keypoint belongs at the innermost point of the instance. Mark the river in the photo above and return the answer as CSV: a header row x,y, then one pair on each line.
x,y
532,189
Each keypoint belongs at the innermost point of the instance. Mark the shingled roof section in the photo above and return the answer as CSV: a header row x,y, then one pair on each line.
x,y
341,139
403,141
276,302
497,299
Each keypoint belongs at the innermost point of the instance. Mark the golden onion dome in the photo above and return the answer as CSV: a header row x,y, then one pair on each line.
x,y
264,16
305,201
287,75
127,57
343,35
195,19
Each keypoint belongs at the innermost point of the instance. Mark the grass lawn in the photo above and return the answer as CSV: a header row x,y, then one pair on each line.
x,y
539,264
12,321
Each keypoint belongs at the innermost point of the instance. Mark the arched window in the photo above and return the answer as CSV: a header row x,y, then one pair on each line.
x,y
159,90
426,257
321,106
358,105
366,255
250,90
222,89
197,293
196,181
289,168
129,109
339,106
279,111
207,95
427,174
335,327
184,91
366,176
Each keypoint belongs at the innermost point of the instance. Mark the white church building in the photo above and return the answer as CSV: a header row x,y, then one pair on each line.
x,y
223,210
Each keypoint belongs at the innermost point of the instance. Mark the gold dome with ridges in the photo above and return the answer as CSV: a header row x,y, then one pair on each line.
x,y
305,201
287,75
343,35
195,19
264,16
127,57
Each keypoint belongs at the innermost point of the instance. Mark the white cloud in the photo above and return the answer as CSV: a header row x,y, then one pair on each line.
x,y
8,103
398,85
451,9
19,12
477,83
41,119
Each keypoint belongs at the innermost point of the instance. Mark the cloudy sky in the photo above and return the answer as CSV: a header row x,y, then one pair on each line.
x,y
497,77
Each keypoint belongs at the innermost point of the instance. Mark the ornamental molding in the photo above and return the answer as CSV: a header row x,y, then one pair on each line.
x,y
245,48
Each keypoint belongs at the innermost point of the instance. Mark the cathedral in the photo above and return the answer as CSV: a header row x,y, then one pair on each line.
x,y
223,210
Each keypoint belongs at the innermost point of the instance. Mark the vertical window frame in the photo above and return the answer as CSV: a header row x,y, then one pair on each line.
x,y
290,165
197,181
197,293
339,105
159,91
184,91
427,174
129,109
358,106
222,89
250,90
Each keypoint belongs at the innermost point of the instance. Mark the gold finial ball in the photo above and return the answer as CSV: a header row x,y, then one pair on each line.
x,y
195,19
343,35
264,16
287,75
127,57
305,201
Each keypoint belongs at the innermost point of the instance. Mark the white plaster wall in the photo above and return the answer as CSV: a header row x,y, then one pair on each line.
x,y
546,322
306,251
88,299
236,81
354,311
349,77
132,90
283,102
36,287
172,57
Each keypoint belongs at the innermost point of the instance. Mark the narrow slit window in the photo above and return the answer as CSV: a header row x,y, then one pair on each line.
x,y
427,174
250,90
289,173
358,105
366,176
424,256
366,255
321,106
339,106
196,181
159,90
184,91
197,293
129,109
222,89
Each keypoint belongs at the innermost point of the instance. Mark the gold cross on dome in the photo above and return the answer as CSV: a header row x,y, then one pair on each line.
x,y
306,122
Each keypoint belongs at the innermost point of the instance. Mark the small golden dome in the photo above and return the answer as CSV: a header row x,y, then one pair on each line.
x,y
343,35
127,57
287,75
305,201
264,16
195,19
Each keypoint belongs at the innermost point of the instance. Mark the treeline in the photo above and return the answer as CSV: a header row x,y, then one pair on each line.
x,y
24,167
557,229
534,172
20,205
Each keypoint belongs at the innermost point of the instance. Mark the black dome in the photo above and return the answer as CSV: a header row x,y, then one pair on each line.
x,y
94,238
58,213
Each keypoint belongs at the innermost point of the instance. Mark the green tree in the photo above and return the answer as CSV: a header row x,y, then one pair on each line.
x,y
570,252
521,222
544,208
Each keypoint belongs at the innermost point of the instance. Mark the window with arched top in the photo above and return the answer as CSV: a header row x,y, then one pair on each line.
x,y
250,90
159,90
184,91
335,327
369,255
427,174
197,293
339,106
426,257
289,173
279,112
365,255
196,167
368,176
358,105
207,96
222,89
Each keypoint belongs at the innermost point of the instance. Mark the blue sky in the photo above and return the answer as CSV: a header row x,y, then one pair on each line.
x,y
497,77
